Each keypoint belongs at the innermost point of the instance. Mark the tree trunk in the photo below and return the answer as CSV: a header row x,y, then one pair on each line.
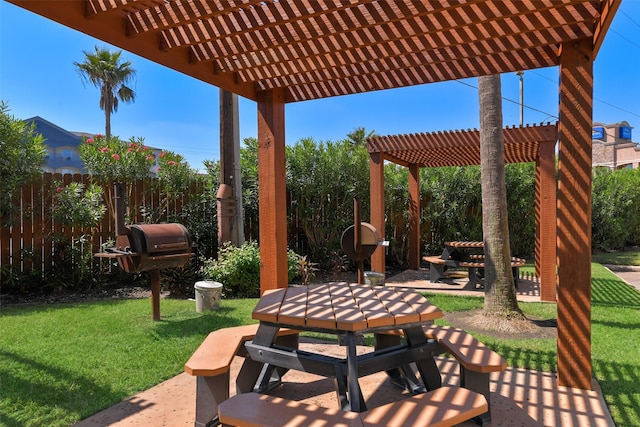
x,y
107,123
500,296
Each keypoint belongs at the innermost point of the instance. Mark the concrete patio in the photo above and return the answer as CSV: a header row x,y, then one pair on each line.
x,y
520,397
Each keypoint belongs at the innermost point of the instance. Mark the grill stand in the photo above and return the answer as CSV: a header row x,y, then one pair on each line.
x,y
147,247
155,293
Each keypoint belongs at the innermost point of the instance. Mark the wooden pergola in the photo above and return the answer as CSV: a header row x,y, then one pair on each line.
x,y
462,148
275,52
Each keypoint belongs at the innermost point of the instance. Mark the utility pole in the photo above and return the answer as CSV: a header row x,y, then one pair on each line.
x,y
521,75
230,213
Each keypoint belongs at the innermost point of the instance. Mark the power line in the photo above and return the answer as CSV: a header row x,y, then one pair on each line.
x,y
595,99
625,38
514,102
628,17
540,111
618,108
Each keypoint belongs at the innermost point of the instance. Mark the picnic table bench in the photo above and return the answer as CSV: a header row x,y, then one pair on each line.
x,y
452,257
477,361
211,362
442,407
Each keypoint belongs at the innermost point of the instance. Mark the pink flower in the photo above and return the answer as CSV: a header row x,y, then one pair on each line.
x,y
115,156
171,162
129,150
99,135
162,154
150,158
59,190
90,141
104,149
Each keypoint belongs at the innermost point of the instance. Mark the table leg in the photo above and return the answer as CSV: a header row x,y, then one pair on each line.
x,y
382,341
412,383
353,386
251,370
271,376
340,381
427,367
436,271
403,377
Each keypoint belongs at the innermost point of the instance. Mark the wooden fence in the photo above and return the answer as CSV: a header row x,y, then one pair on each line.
x,y
30,237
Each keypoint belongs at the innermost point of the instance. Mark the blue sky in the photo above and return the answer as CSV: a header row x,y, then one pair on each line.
x,y
178,113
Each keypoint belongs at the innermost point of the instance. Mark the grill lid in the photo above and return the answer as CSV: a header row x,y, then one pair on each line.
x,y
158,239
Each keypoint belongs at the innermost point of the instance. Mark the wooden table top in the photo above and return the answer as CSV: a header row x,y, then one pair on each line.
x,y
464,244
344,307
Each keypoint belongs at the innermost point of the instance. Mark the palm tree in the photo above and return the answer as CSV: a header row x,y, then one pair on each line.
x,y
359,136
104,70
500,295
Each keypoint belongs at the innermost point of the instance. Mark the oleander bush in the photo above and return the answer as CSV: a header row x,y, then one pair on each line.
x,y
323,178
616,203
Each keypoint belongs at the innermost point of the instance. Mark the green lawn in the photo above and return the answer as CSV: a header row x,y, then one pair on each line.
x,y
61,363
626,257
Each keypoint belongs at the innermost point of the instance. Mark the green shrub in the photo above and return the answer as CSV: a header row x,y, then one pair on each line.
x,y
76,205
238,269
179,281
616,202
22,154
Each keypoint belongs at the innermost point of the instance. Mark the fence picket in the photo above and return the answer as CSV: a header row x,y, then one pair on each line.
x,y
34,227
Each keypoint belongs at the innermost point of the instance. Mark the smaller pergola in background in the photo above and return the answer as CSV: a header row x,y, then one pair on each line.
x,y
462,148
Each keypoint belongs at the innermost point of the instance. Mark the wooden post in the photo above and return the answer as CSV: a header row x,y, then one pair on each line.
x,y
272,190
546,215
376,192
357,238
227,224
414,217
574,214
155,293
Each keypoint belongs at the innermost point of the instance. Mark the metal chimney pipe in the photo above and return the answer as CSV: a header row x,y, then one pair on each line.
x,y
119,207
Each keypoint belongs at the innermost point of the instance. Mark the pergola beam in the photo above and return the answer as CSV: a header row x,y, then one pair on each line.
x,y
414,217
376,186
574,215
272,195
545,205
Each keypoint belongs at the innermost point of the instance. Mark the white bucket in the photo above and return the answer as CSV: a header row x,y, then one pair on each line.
x,y
208,295
373,278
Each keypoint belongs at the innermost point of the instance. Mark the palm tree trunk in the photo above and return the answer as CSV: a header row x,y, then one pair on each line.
x,y
107,123
500,295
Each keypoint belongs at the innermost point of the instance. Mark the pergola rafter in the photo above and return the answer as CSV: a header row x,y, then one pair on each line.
x,y
280,51
321,48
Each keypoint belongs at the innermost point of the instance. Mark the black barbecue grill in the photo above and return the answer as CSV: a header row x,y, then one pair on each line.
x,y
147,247
153,246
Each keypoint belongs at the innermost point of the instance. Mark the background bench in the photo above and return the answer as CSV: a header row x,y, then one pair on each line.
x,y
438,267
211,361
442,407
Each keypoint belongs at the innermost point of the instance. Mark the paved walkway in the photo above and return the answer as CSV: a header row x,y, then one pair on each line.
x,y
456,283
520,397
630,274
